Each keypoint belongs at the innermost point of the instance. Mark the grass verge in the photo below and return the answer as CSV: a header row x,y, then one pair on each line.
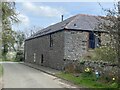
x,y
0,59
86,81
1,70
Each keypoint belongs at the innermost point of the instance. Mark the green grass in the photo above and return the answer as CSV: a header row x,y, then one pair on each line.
x,y
86,81
12,60
0,59
1,70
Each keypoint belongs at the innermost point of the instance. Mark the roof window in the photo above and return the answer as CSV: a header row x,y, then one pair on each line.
x,y
75,25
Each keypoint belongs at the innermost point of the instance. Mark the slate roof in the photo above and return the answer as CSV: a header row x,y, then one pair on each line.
x,y
78,22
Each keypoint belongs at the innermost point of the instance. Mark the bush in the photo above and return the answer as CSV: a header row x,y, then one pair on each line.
x,y
19,56
105,53
70,68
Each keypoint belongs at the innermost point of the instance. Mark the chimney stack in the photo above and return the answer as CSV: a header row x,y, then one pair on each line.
x,y
62,17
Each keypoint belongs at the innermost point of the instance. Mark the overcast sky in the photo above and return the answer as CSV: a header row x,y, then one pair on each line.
x,y
43,14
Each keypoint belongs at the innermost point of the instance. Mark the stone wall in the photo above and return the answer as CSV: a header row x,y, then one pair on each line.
x,y
105,69
52,56
67,45
105,39
76,44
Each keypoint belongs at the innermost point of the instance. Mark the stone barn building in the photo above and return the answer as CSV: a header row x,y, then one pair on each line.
x,y
65,41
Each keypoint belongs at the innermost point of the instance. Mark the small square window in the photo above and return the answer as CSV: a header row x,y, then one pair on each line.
x,y
75,24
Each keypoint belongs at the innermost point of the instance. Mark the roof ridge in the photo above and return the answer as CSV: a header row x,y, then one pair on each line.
x,y
77,16
88,15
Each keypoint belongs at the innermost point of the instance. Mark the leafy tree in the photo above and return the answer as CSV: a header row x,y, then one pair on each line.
x,y
113,28
110,23
9,17
20,37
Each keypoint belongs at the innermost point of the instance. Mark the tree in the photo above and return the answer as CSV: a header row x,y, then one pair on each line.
x,y
9,17
119,40
20,37
29,31
113,28
110,23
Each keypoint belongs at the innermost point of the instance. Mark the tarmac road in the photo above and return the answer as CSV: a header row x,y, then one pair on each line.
x,y
20,76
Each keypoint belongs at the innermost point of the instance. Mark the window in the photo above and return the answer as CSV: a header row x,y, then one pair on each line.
x,y
75,25
34,57
94,40
91,40
51,41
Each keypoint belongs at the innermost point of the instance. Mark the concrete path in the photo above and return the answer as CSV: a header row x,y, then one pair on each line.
x,y
20,76
1,83
42,68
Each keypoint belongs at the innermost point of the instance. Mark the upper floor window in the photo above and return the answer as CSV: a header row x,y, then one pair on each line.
x,y
94,40
51,40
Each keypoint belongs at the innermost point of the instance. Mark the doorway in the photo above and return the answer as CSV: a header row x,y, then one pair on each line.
x,y
41,58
